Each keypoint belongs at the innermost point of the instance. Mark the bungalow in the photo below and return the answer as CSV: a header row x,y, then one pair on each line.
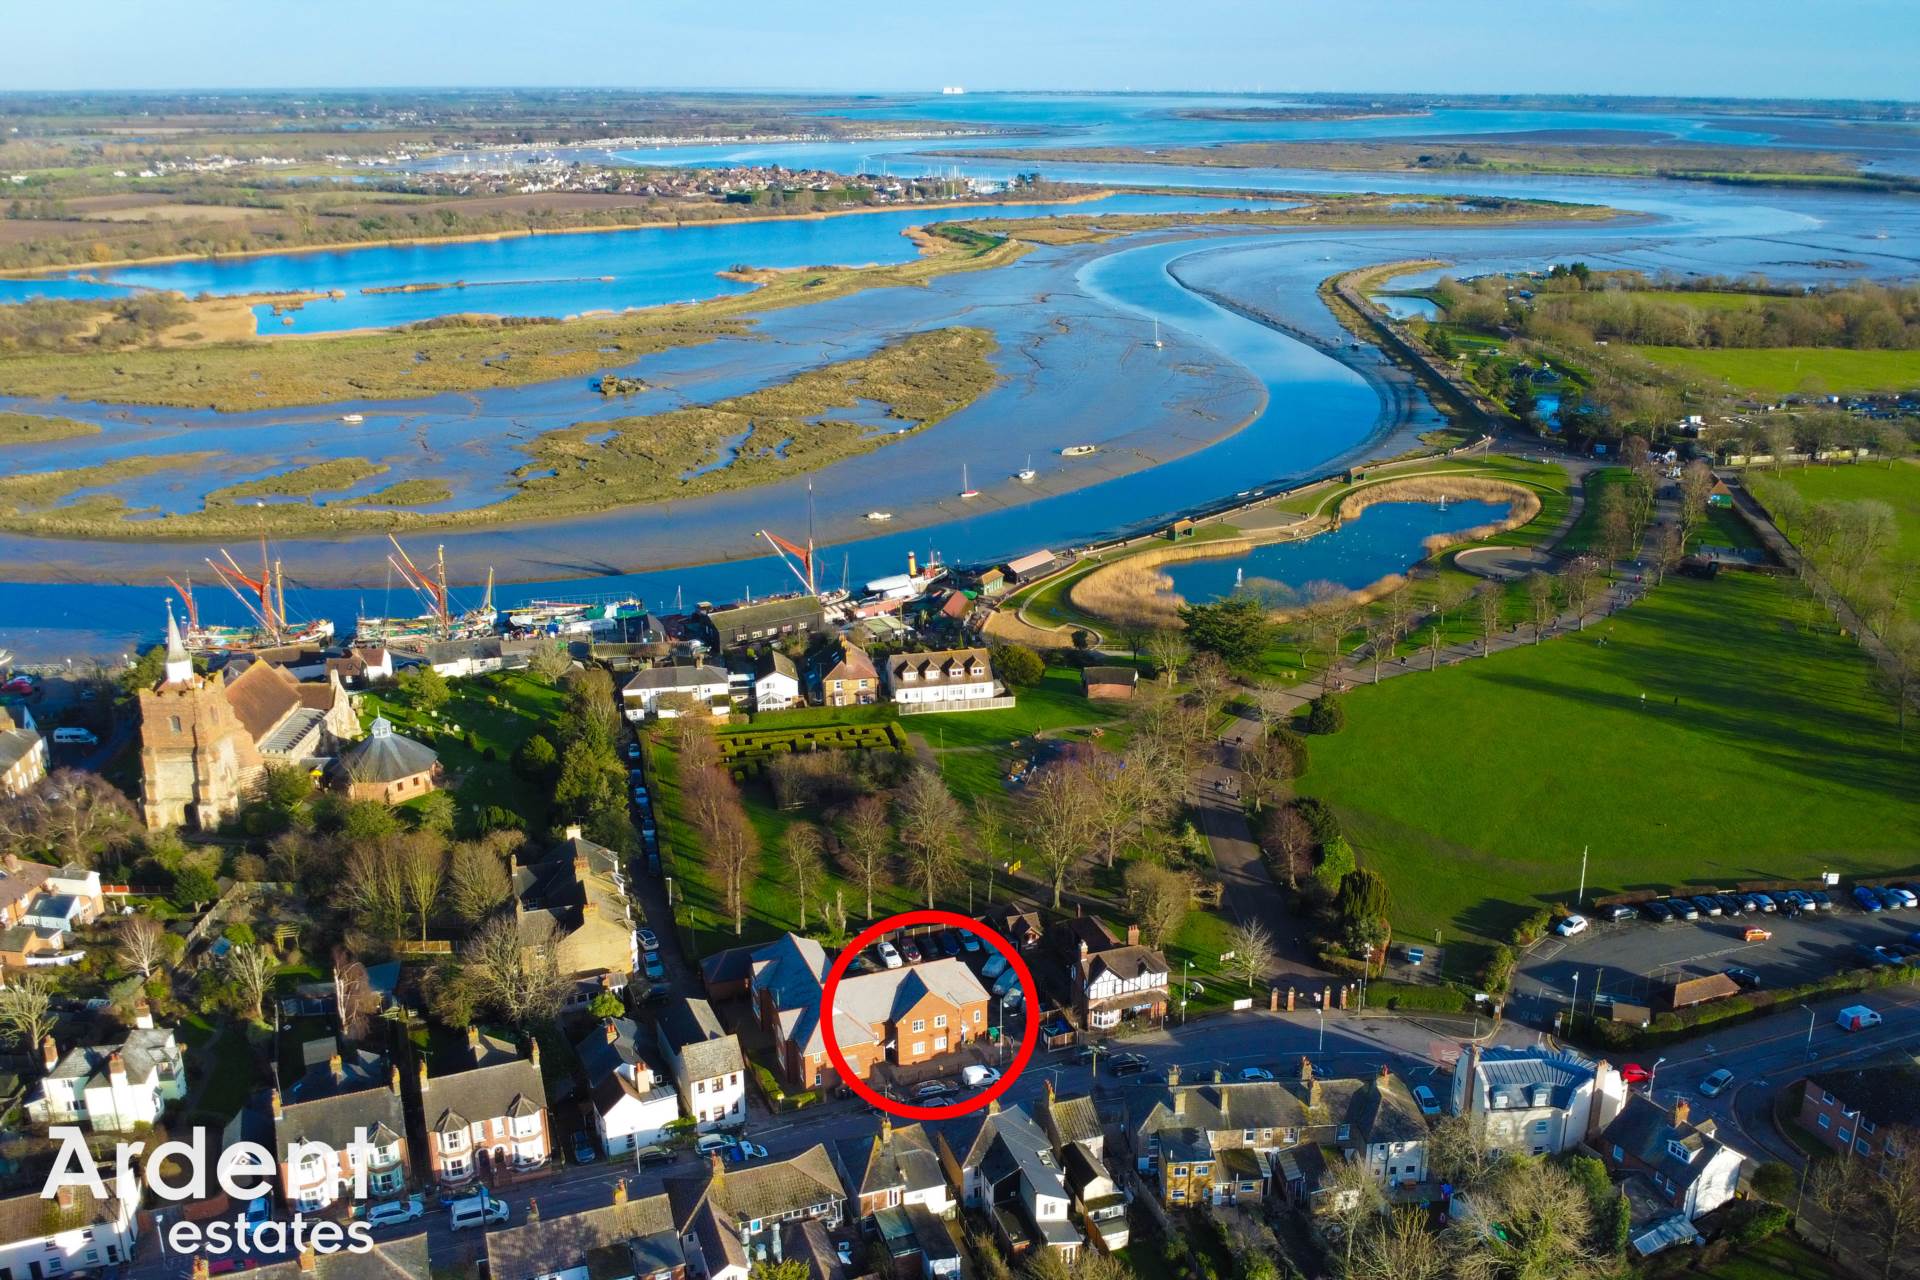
x,y
351,1103
633,1101
111,1088
1688,1165
666,692
489,1122
942,679
705,1062
73,1232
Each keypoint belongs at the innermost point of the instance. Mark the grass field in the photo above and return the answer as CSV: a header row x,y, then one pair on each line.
x,y
1897,486
1708,739
1780,370
500,711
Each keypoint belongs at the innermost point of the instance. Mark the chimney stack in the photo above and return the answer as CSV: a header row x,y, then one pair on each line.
x,y
886,1128
716,1167
116,1069
200,1271
335,1067
1384,1073
581,868
533,1051
274,1098
1306,1069
1180,1102
1681,1110
533,1209
309,1260
423,1075
613,1031
63,1196
393,1079
620,1191
49,1052
1083,948
1049,1088
473,1041
143,1015
571,833
1173,1076
1133,935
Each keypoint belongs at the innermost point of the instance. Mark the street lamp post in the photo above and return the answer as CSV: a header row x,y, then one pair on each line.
x,y
1323,1028
1581,900
1653,1075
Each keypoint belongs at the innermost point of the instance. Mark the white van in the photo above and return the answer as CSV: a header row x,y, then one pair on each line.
x,y
1856,1017
475,1211
75,737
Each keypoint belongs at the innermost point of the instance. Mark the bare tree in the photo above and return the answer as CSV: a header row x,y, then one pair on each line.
x,y
1578,580
77,816
477,880
550,660
26,1008
992,841
866,843
1381,637
143,944
1436,644
1540,601
422,870
733,850
1668,548
514,971
1458,1151
1212,682
1288,839
1266,767
1543,1219
1061,815
1169,651
1253,950
929,829
1159,898
1900,673
1401,1248
251,970
373,890
1696,486
1894,1215
1839,1189
800,846
1492,599
1353,1198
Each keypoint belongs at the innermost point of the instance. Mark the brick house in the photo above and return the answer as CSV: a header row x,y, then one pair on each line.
x,y
628,1238
1862,1107
1112,980
842,675
897,1166
923,1011
387,766
1687,1163
489,1122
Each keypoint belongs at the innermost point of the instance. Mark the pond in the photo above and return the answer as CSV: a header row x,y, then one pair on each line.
x,y
1386,538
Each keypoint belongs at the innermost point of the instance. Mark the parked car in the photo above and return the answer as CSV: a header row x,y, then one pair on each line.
x,y
653,862
1867,899
978,1076
1822,900
1707,903
633,751
888,955
1766,901
933,1089
1416,956
1429,1104
652,1157
584,1150
949,944
1731,904
1260,1074
1617,912
1871,954
911,950
229,1265
656,971
708,1143
648,940
1747,978
1887,955
743,1151
1126,1064
1569,926
1656,911
392,1213
1634,1073
995,966
476,1211
1907,899
1888,898
1716,1084
969,942
1683,909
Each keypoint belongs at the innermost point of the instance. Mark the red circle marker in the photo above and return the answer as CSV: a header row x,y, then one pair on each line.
x,y
908,1110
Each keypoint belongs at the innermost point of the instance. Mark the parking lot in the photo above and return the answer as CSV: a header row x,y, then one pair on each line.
x,y
1633,960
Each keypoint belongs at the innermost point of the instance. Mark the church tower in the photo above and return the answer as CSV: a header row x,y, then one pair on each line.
x,y
197,761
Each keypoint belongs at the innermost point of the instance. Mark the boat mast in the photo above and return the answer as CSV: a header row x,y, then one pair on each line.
x,y
186,598
280,591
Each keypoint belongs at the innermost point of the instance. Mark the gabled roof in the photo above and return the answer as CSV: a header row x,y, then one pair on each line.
x,y
1002,1143
695,1035
1128,963
561,1243
1383,1110
1073,1120
774,663
940,667
320,1108
388,1259
144,1053
478,1094
771,1190
668,679
1217,1107
1511,1078
1650,1134
28,1217
898,1156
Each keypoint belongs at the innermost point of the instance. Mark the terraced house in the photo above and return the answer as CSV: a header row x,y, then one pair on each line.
x,y
487,1123
905,1016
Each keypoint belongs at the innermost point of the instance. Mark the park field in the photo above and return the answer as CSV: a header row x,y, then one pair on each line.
x,y
1780,370
1898,486
1702,736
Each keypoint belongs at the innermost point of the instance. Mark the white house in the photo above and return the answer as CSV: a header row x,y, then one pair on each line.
x,y
1384,1130
1534,1101
1687,1163
706,1064
73,1232
700,684
776,682
959,676
633,1103
1009,1172
111,1088
23,753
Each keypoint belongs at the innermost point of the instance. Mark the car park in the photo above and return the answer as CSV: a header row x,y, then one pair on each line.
x,y
888,955
1866,898
1716,1084
1570,925
1708,904
1429,1104
1256,1074
584,1151
1656,911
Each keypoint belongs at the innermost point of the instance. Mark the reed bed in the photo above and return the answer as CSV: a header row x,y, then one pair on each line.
x,y
1130,593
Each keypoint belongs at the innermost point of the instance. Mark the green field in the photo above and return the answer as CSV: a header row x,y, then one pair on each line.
x,y
1760,749
1780,370
498,712
1897,486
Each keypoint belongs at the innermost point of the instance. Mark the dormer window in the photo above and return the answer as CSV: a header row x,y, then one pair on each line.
x,y
1680,1151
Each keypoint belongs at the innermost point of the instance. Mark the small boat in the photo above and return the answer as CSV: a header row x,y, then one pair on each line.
x,y
1156,334
1078,450
879,516
966,489
353,417
1026,474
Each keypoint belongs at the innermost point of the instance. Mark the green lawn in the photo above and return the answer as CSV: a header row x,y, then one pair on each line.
x,y
1780,1258
1474,788
1898,486
1784,369
1586,529
501,711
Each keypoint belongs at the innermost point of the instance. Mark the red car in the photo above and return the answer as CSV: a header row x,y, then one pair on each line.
x,y
224,1266
1634,1073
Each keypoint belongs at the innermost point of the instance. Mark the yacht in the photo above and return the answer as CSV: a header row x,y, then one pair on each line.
x,y
353,417
1026,474
966,488
1078,450
879,517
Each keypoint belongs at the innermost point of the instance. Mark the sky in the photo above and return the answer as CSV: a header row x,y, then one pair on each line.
x,y
1750,48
